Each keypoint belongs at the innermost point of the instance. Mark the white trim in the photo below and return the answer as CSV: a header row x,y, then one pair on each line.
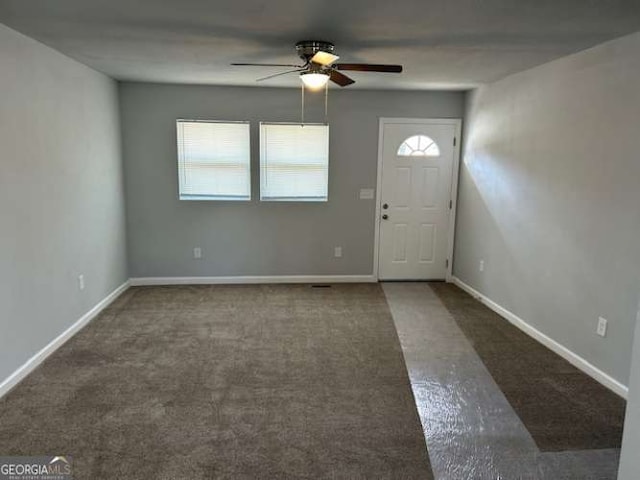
x,y
457,122
573,358
454,198
141,281
376,234
17,376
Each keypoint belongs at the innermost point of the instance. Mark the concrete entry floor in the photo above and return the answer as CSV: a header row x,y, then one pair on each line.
x,y
472,432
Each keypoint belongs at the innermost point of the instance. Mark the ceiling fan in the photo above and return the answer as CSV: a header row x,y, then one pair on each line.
x,y
319,66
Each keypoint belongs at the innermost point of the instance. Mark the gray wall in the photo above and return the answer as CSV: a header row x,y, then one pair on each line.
x,y
61,195
629,460
254,238
549,197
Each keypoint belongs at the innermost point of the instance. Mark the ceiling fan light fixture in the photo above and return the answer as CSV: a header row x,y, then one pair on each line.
x,y
314,80
324,58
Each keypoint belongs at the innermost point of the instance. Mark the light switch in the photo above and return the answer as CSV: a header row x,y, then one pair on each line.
x,y
367,193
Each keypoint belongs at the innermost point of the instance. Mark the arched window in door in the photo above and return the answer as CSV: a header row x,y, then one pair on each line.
x,y
418,146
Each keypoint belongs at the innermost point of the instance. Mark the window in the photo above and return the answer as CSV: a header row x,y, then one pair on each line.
x,y
418,146
213,160
294,162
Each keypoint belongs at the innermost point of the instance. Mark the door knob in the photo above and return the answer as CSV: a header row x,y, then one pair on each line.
x,y
385,206
385,216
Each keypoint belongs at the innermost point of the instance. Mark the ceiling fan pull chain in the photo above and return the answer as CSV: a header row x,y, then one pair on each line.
x,y
302,111
326,103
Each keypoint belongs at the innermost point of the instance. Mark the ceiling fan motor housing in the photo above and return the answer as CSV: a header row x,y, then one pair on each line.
x,y
308,48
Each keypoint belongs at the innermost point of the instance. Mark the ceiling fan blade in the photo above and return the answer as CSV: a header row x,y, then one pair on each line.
x,y
324,58
369,67
278,74
265,65
340,78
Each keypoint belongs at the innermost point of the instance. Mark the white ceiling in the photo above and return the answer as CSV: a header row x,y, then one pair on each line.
x,y
442,43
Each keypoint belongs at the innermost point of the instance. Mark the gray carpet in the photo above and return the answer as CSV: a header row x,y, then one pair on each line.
x,y
226,382
471,429
562,407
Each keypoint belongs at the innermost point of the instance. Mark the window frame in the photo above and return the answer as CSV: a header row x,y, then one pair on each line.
x,y
299,199
180,163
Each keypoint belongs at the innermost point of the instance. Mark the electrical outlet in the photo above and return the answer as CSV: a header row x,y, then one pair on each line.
x,y
482,265
337,252
81,282
602,327
197,252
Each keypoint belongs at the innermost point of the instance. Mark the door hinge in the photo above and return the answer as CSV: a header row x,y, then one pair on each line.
x,y
454,141
447,263
450,204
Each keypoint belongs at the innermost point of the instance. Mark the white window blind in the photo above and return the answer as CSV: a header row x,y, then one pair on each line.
x,y
294,162
213,160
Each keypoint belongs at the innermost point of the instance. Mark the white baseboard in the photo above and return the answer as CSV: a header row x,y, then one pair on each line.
x,y
140,281
561,350
573,358
15,378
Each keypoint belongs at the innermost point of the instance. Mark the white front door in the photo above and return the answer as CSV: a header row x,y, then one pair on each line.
x,y
415,200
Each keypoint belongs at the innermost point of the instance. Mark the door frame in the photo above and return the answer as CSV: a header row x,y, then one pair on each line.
x,y
457,123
